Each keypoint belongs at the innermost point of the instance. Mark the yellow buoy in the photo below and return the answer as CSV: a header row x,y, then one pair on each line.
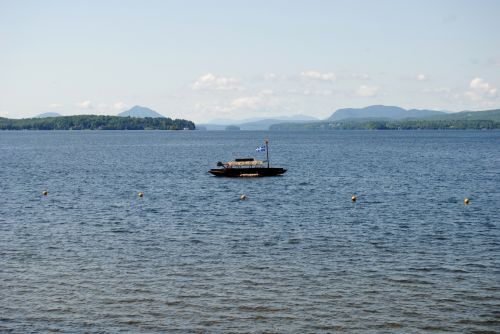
x,y
140,194
45,193
466,201
243,197
354,198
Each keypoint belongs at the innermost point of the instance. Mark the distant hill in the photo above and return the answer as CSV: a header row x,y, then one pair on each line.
x,y
479,120
265,124
258,123
48,114
141,112
298,117
380,111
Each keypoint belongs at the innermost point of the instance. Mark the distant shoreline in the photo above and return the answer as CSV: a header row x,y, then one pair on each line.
x,y
273,130
96,122
392,125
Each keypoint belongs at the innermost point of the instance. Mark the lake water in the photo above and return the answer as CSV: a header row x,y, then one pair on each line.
x,y
297,256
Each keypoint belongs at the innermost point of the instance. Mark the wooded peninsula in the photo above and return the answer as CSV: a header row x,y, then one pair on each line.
x,y
96,122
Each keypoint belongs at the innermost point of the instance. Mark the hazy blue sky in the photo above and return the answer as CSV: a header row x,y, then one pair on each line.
x,y
204,60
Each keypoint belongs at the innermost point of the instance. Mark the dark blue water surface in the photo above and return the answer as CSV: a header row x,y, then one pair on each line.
x,y
296,256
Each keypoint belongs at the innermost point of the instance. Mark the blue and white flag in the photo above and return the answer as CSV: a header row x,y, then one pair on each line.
x,y
261,149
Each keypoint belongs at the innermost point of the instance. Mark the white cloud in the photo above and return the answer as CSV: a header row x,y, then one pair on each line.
x,y
3,113
119,106
482,86
480,90
315,75
258,102
270,76
213,82
262,100
368,91
421,77
56,105
85,104
251,102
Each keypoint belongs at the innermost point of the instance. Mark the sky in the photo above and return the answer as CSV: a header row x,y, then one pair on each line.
x,y
213,60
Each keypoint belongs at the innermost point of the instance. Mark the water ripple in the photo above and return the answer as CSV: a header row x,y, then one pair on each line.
x,y
296,257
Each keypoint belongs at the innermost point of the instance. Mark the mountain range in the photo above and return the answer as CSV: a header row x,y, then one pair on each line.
x,y
256,123
380,111
366,114
478,120
374,113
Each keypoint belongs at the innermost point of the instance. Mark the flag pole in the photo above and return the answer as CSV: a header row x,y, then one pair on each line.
x,y
267,152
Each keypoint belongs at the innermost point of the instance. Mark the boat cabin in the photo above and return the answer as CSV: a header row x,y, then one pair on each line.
x,y
241,162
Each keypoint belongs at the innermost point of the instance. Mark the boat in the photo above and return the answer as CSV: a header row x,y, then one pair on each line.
x,y
248,167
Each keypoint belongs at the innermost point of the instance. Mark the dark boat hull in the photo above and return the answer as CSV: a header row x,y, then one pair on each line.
x,y
247,172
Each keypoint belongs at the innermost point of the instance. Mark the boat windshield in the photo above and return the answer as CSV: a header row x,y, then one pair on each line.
x,y
244,163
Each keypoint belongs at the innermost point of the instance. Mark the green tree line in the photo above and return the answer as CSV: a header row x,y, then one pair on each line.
x,y
393,125
95,122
